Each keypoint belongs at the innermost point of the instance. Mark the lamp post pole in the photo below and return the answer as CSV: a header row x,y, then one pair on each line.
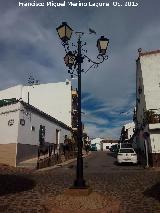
x,y
79,182
75,59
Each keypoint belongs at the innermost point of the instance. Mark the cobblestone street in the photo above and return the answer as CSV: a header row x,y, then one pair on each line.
x,y
137,189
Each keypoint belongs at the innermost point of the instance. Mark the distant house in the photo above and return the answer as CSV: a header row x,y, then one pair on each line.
x,y
97,142
106,144
127,131
147,113
20,125
129,128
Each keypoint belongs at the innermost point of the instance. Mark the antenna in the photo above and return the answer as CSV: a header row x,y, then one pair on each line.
x,y
31,80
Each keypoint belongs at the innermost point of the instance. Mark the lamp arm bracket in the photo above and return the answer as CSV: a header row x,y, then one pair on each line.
x,y
73,45
84,44
100,57
66,46
95,64
84,50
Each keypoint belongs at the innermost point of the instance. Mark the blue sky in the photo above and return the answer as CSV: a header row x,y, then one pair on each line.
x,y
29,45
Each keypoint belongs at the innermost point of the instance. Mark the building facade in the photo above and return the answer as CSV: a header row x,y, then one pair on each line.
x,y
97,142
20,131
127,131
55,99
146,115
106,144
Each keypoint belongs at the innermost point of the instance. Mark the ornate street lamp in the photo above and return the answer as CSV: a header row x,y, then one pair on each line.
x,y
64,32
69,59
74,60
102,44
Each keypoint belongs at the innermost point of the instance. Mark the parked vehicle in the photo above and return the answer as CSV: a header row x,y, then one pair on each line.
x,y
93,147
125,145
114,148
127,155
111,148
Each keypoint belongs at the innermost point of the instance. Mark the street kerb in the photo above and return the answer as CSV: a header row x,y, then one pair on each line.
x,y
61,164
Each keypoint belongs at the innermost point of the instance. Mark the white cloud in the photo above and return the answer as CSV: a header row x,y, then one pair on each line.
x,y
106,133
92,118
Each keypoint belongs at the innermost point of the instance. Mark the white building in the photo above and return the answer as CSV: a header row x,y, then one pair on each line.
x,y
55,99
129,128
103,144
147,102
19,131
97,141
106,144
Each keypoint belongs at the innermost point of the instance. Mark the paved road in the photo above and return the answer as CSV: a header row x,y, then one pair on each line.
x,y
136,188
105,162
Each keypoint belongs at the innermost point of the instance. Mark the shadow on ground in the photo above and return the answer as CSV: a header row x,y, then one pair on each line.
x,y
10,184
112,154
125,164
74,166
154,191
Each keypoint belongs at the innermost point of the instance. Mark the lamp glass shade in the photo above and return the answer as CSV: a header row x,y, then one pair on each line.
x,y
64,32
61,31
68,32
102,45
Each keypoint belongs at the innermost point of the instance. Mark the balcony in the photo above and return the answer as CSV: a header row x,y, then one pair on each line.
x,y
154,126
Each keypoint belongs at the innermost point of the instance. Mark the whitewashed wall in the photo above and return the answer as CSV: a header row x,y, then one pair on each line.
x,y
130,127
150,65
148,76
9,134
12,92
141,105
97,141
155,141
19,142
107,144
54,99
27,136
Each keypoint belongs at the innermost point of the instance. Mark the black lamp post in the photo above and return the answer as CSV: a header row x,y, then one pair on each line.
x,y
74,61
